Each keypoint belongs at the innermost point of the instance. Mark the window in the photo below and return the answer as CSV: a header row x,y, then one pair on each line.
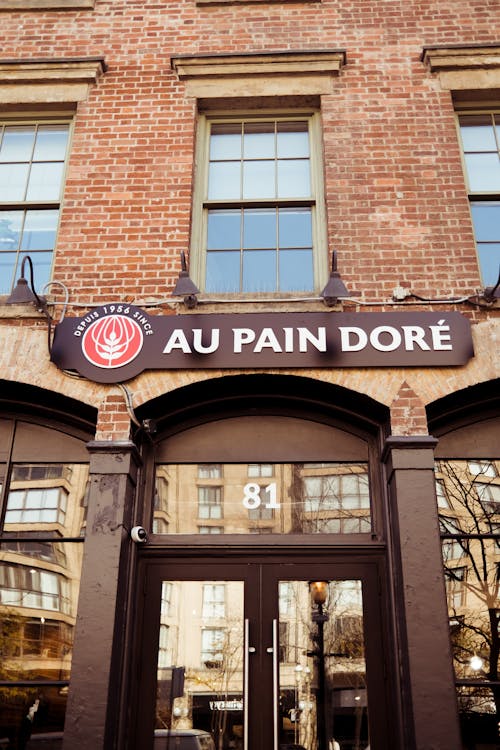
x,y
455,586
36,506
489,495
212,647
214,595
210,529
209,502
163,647
260,470
32,165
480,136
166,598
258,213
486,468
209,471
336,491
33,587
442,499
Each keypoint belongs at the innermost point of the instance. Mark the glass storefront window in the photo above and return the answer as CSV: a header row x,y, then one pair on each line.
x,y
299,498
41,534
470,525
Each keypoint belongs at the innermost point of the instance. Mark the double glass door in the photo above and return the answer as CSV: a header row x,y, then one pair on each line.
x,y
261,655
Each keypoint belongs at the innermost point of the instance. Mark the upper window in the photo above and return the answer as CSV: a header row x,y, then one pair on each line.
x,y
480,135
32,165
257,214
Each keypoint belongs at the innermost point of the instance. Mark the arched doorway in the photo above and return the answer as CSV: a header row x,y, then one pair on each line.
x,y
262,606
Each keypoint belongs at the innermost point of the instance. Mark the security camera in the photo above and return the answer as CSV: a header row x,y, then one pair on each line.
x,y
139,535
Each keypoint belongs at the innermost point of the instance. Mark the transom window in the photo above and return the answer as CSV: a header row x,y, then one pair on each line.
x,y
480,134
259,205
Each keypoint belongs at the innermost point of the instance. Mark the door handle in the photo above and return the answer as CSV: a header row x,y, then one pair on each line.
x,y
274,650
247,650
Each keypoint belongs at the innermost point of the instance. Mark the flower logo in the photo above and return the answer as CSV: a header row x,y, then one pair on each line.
x,y
112,341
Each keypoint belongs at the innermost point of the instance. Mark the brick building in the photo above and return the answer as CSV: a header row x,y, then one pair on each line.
x,y
249,435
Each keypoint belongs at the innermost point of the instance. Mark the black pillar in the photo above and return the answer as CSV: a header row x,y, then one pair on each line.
x,y
92,715
429,704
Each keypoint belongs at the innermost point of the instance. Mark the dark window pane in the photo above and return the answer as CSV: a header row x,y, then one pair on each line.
x,y
50,704
259,271
259,228
223,272
296,270
224,230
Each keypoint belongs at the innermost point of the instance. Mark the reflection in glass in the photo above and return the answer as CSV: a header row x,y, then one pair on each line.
x,y
30,711
322,673
470,525
319,498
200,659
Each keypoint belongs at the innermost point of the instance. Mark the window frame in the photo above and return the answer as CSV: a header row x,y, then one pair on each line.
x,y
24,206
478,197
201,204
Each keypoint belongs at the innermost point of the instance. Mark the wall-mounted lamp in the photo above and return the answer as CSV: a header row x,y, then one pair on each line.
x,y
492,293
24,294
335,288
185,287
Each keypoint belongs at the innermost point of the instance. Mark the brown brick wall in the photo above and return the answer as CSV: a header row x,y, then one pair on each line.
x,y
395,193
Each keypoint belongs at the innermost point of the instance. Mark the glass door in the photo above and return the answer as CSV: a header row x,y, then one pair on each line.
x,y
262,656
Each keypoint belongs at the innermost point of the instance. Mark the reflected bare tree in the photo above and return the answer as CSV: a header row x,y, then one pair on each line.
x,y
469,511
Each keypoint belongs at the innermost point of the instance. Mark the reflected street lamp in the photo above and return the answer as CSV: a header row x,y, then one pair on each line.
x,y
319,594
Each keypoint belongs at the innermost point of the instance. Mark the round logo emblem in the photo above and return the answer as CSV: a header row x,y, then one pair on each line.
x,y
112,341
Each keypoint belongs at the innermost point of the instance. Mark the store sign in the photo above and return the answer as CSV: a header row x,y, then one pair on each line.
x,y
114,343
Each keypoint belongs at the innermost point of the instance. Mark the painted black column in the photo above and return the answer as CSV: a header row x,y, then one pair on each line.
x,y
430,714
96,684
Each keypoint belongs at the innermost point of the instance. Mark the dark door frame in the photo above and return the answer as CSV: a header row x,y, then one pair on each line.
x,y
194,563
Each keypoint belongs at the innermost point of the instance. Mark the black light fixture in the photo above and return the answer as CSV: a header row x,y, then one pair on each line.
x,y
185,287
492,293
24,294
319,594
335,288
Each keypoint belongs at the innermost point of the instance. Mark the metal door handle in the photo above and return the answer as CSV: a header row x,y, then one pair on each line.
x,y
275,651
247,650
